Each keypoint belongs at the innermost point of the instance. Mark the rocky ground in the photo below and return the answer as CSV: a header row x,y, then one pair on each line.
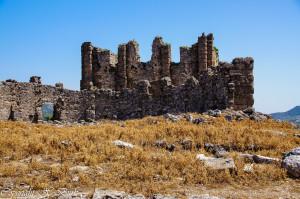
x,y
217,154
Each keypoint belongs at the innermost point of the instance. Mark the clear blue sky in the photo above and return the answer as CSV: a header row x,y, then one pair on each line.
x,y
43,37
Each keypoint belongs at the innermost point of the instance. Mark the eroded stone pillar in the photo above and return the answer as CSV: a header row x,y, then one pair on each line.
x,y
121,81
132,61
210,49
202,53
86,61
161,58
165,60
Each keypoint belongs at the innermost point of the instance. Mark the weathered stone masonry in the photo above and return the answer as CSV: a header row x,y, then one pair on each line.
x,y
122,87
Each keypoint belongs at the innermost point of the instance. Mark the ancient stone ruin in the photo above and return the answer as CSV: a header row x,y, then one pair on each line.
x,y
122,87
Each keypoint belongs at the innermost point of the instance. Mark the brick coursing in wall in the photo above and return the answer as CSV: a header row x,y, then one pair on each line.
x,y
122,87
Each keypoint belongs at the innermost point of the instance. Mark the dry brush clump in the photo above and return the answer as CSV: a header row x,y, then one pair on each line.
x,y
45,156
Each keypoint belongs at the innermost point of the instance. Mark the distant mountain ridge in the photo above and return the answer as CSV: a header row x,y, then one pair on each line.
x,y
292,115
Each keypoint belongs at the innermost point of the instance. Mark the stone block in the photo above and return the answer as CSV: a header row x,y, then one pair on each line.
x,y
35,79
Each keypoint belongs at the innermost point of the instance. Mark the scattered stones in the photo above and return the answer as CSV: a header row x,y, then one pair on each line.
x,y
214,113
291,162
217,163
201,196
32,159
292,165
248,168
276,132
219,152
209,147
239,117
187,144
55,165
189,118
202,157
249,110
295,151
163,196
264,160
34,172
122,144
258,116
297,127
255,117
112,194
247,157
171,117
20,165
283,154
79,168
261,115
75,179
57,122
228,117
160,143
171,147
199,120
65,143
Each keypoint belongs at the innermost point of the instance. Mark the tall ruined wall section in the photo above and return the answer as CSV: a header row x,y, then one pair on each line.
x,y
122,87
101,69
241,78
195,59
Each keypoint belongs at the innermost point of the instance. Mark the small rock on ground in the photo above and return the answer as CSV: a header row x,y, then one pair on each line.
x,y
292,165
291,162
171,117
122,144
264,160
217,163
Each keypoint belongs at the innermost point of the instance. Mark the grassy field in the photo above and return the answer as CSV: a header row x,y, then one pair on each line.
x,y
32,155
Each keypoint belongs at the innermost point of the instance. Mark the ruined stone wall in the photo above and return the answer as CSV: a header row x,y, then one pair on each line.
x,y
229,85
125,70
123,87
104,68
242,79
21,101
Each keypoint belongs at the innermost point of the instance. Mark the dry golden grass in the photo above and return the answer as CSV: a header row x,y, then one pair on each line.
x,y
145,169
